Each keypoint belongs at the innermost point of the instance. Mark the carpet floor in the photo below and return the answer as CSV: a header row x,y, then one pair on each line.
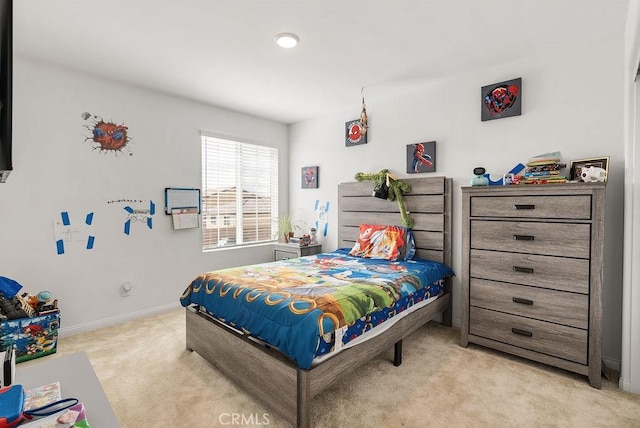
x,y
152,381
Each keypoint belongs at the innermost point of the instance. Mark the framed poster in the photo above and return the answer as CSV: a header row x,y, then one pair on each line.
x,y
577,165
502,99
309,177
355,133
421,157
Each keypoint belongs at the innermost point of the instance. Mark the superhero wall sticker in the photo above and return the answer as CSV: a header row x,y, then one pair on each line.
x,y
107,137
502,99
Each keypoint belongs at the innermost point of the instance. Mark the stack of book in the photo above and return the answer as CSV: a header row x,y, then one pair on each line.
x,y
544,169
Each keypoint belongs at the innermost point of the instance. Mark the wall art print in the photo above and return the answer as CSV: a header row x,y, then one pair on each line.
x,y
107,136
355,133
501,100
421,157
309,177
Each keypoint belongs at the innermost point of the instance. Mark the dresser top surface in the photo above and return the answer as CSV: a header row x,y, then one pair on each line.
x,y
547,189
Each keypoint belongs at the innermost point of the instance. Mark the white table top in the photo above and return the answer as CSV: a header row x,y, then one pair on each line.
x,y
77,380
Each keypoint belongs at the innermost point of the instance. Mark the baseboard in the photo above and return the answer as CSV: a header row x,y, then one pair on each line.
x,y
623,385
108,322
612,363
455,322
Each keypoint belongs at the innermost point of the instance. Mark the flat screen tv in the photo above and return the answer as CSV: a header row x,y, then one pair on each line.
x,y
6,86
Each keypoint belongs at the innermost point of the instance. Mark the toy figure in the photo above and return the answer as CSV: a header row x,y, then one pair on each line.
x,y
593,174
396,189
479,179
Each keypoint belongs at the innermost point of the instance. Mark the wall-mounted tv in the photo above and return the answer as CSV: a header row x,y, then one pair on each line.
x,y
6,86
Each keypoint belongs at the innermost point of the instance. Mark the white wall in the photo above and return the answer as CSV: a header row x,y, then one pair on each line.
x,y
572,103
55,170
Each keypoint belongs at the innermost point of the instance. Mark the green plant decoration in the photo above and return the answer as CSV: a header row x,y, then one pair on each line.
x,y
396,189
286,226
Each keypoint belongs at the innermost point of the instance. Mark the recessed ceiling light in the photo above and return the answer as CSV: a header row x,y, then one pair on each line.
x,y
287,40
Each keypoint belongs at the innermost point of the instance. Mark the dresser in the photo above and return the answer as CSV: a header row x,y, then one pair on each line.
x,y
283,251
531,275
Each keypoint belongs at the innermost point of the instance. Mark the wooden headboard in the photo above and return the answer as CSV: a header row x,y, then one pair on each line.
x,y
428,203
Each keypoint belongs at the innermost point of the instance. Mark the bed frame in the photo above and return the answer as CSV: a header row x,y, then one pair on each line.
x,y
277,381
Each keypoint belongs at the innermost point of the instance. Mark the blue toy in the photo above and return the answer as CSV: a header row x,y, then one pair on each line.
x,y
515,170
480,178
8,287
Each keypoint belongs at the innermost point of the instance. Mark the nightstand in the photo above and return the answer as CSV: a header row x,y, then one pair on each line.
x,y
282,251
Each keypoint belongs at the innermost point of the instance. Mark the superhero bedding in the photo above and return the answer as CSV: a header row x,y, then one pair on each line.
x,y
301,305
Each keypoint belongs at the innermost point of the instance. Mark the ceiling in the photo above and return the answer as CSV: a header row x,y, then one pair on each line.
x,y
223,52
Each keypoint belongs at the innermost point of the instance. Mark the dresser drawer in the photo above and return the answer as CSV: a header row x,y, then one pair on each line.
x,y
284,255
557,239
559,341
577,207
290,251
556,273
559,307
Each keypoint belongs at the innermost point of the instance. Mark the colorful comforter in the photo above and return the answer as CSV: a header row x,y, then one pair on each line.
x,y
292,303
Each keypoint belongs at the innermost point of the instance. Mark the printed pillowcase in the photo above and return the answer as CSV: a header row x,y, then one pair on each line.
x,y
377,241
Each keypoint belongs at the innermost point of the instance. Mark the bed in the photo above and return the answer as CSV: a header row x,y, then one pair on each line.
x,y
280,371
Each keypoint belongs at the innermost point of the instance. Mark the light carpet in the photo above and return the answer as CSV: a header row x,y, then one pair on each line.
x,y
152,381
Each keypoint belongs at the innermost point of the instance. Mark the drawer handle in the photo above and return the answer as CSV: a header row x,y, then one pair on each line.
x,y
522,301
521,332
522,269
524,237
524,207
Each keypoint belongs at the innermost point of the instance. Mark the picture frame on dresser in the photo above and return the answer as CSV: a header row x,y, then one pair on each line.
x,y
577,165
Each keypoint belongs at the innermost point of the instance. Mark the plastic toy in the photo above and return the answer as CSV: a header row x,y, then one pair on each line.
x,y
12,308
389,187
500,182
479,179
593,174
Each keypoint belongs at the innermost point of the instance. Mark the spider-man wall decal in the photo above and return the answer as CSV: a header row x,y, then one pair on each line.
x,y
107,136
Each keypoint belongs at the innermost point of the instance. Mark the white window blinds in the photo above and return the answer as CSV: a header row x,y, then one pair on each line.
x,y
240,192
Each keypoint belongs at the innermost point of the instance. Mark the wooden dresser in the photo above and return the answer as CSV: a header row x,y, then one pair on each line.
x,y
531,279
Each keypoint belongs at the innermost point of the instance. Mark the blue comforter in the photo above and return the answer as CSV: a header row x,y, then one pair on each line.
x,y
291,303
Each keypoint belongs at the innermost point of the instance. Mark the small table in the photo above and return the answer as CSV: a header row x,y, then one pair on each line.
x,y
289,251
77,380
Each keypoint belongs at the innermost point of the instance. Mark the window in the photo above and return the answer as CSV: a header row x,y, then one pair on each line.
x,y
240,190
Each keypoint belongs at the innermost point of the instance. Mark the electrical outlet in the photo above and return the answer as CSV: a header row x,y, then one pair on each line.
x,y
126,288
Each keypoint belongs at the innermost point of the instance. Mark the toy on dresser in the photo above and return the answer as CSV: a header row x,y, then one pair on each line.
x,y
479,179
593,174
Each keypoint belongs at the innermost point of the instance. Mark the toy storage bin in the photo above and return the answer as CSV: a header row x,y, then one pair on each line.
x,y
33,337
